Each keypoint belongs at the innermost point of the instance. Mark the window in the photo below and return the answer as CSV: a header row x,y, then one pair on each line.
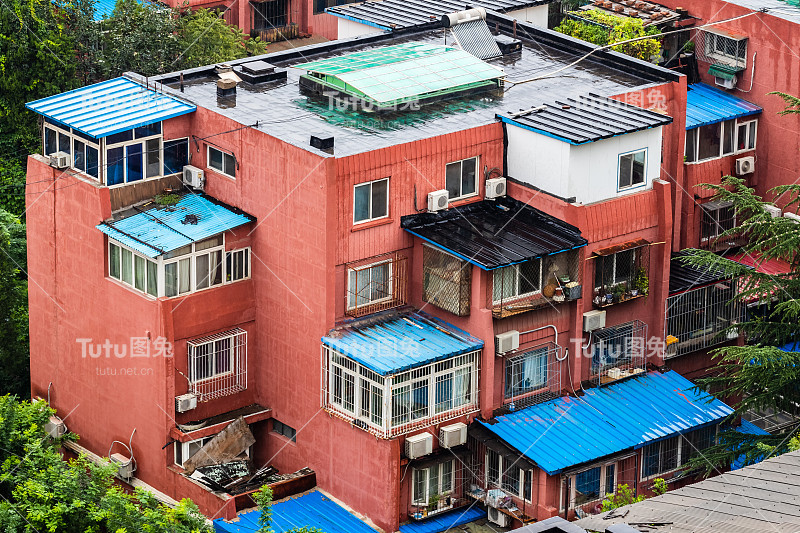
x,y
591,485
632,168
84,149
461,178
517,281
713,141
717,218
436,480
725,49
526,372
698,317
369,285
218,364
615,269
185,450
208,262
271,14
237,265
320,5
670,454
134,155
619,347
176,156
446,281
505,473
371,201
283,429
222,162
132,269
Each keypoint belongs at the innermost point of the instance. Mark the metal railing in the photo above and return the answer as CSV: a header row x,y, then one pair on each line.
x,y
699,318
376,284
446,281
619,351
218,364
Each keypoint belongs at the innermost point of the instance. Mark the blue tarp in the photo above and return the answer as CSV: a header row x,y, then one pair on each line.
x,y
610,419
402,342
707,105
160,230
313,509
109,107
445,521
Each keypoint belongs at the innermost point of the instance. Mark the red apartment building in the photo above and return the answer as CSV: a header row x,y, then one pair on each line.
x,y
452,302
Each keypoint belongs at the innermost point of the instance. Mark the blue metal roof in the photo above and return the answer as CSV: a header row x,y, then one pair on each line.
x,y
313,509
445,521
707,105
570,431
110,107
157,230
747,428
401,342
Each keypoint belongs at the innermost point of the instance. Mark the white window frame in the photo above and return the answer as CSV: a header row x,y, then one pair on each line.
x,y
711,50
502,466
632,153
184,447
218,384
602,493
353,292
228,275
369,184
460,162
747,124
426,472
72,138
722,153
124,145
224,168
134,255
515,295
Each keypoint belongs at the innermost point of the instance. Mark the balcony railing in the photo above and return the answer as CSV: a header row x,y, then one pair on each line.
x,y
619,351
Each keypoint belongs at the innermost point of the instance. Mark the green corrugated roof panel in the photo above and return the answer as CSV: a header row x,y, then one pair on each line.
x,y
403,72
724,71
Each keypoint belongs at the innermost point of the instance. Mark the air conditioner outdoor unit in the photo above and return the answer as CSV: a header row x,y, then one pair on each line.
x,y
792,216
496,517
495,188
725,83
593,320
453,435
773,210
419,445
194,177
185,402
745,165
437,200
506,342
55,427
60,160
125,467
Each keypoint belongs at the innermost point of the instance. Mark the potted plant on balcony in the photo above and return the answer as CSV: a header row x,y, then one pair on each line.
x,y
433,502
642,282
619,293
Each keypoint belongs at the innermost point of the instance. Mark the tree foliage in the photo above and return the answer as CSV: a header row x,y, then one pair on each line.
x,y
263,498
14,362
792,103
603,28
205,38
42,492
624,495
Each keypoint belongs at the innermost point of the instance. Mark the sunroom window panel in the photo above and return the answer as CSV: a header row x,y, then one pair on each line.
x,y
64,143
79,161
444,393
691,146
152,278
153,158
134,169
50,141
420,398
127,266
728,137
115,166
709,141
140,273
92,162
114,265
380,191
184,275
171,279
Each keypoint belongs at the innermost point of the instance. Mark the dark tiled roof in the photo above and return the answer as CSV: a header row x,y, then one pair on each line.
x,y
493,234
585,119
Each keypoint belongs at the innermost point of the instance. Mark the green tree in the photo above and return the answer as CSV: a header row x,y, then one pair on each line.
x,y
12,185
14,360
603,28
205,38
624,495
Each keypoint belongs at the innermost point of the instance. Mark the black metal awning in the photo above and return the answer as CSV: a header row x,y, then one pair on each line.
x,y
495,233
684,277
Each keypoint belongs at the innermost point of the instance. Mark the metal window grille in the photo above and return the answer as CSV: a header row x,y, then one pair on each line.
x,y
376,284
446,281
619,351
438,488
534,284
387,406
772,420
533,376
699,317
715,48
218,364
621,276
718,218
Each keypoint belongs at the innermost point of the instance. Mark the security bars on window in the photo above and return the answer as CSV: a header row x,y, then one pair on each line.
x,y
700,317
621,276
439,487
533,376
218,364
540,282
619,351
715,48
376,285
446,281
387,406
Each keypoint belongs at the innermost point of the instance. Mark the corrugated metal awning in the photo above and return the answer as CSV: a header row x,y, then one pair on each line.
x,y
706,105
110,107
611,250
158,229
607,420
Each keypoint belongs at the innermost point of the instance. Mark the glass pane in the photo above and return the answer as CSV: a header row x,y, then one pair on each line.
x,y
752,138
215,265
184,275
152,278
691,146
230,165
728,128
215,159
650,460
115,166
153,158
444,393
453,179
587,486
134,162
637,170
50,141
530,276
139,273
468,173
176,156
419,400
379,197
625,170
120,137
171,279
114,261
709,142
610,486
447,477
127,266
92,162
419,486
183,250
148,131
624,270
361,202
79,161
63,143
202,271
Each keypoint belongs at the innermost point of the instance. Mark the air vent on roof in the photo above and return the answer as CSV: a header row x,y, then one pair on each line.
x,y
322,143
260,72
508,45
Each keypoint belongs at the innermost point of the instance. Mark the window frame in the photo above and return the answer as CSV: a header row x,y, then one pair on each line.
x,y
184,449
718,208
616,282
282,428
749,141
369,184
224,166
680,460
460,162
427,482
124,145
534,353
73,137
500,482
736,123
602,493
632,153
134,255
712,48
351,294
517,282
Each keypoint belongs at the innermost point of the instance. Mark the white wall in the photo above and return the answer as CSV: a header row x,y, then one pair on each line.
x,y
349,28
536,15
587,172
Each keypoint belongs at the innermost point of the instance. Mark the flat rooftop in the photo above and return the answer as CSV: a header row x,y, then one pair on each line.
x,y
285,112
